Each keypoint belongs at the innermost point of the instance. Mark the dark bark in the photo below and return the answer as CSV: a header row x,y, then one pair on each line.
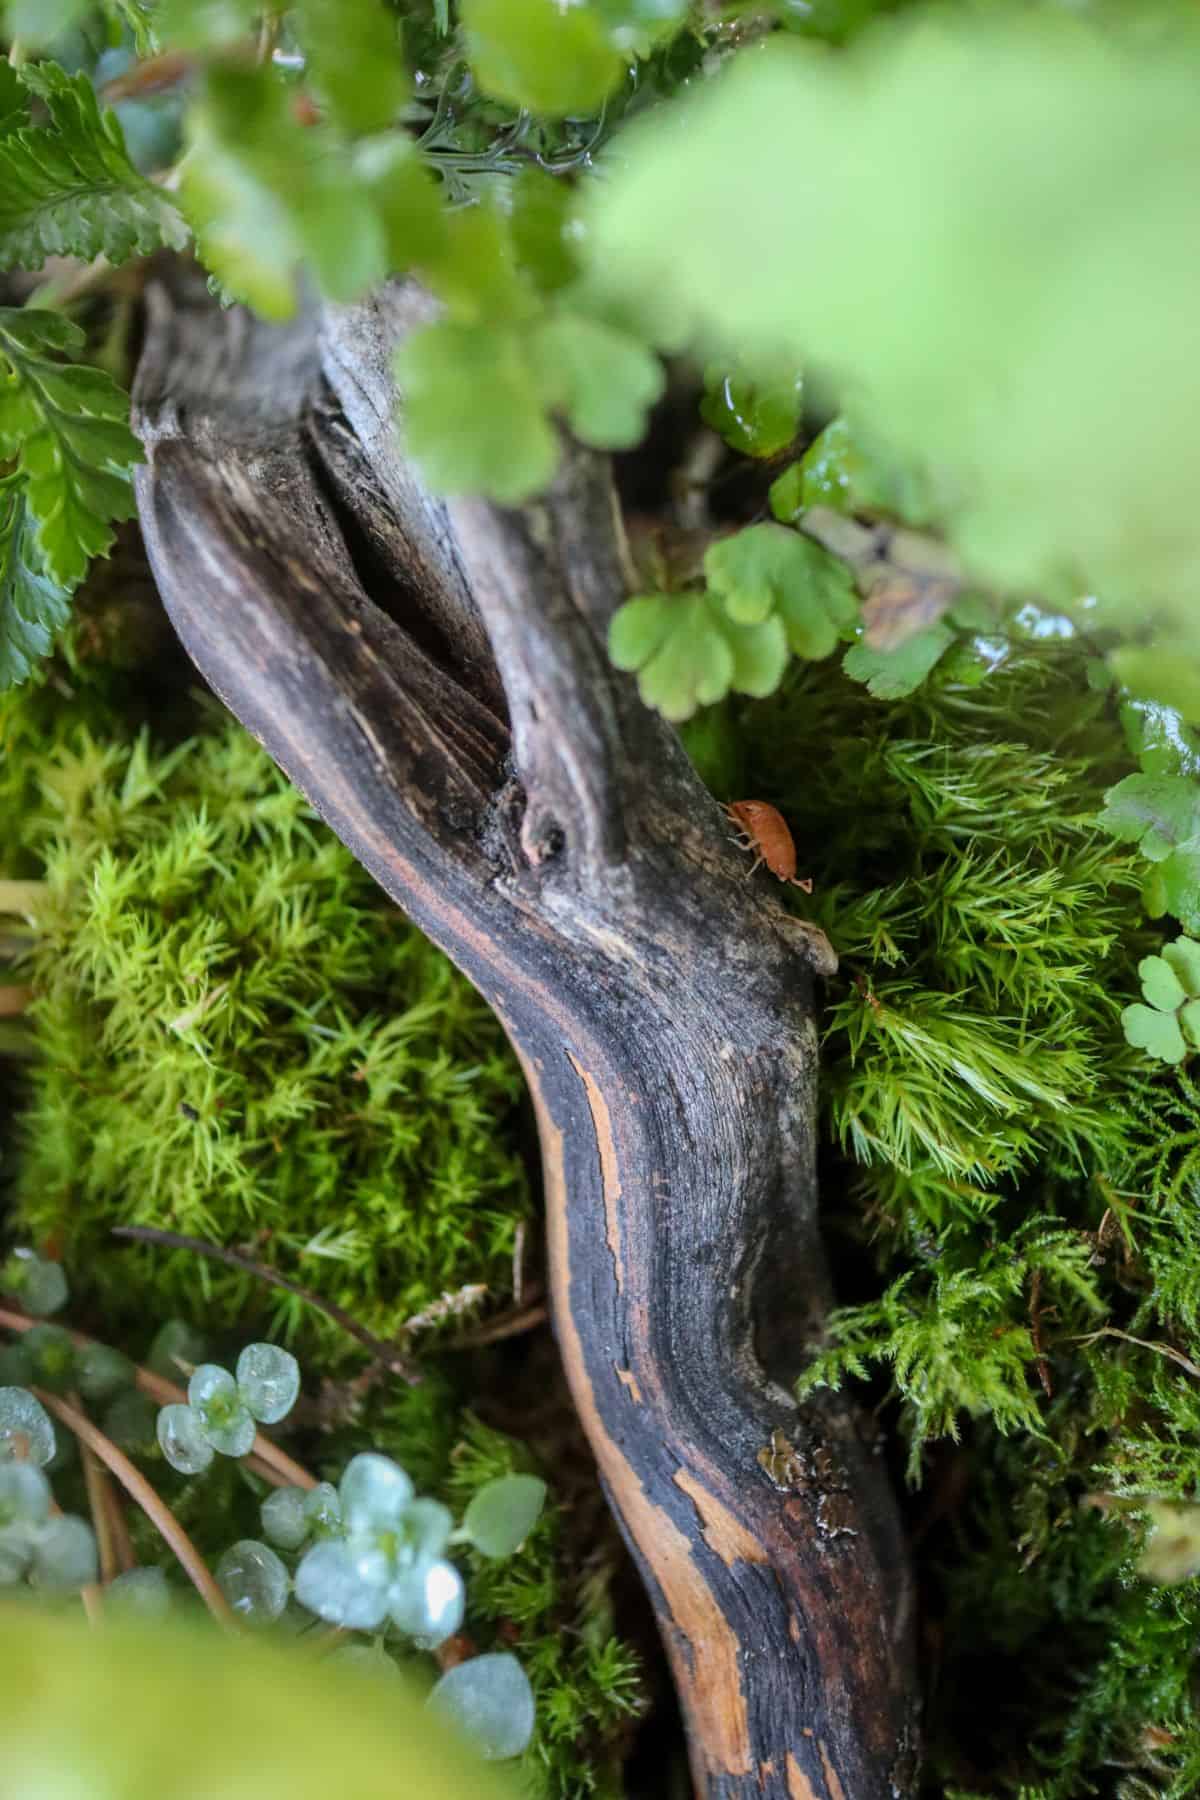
x,y
434,677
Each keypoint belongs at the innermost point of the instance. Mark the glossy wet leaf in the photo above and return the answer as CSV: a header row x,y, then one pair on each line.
x,y
1157,812
26,1432
268,1380
254,1581
284,1519
756,418
329,1582
181,1440
428,1601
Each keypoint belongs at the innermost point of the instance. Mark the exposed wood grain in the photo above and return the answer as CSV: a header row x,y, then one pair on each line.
x,y
434,677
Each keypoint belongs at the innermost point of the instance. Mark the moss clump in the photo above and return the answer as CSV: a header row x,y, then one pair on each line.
x,y
1007,1179
236,1036
239,1038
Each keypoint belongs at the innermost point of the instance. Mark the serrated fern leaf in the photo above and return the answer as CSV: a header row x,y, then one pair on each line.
x,y
14,101
33,607
68,188
67,424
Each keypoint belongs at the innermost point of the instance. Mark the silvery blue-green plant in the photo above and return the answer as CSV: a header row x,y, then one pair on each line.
x,y
38,1545
222,1411
39,1285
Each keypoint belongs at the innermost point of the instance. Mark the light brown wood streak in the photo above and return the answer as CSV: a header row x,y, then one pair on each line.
x,y
629,1382
610,1175
836,1790
702,1648
799,1786
722,1533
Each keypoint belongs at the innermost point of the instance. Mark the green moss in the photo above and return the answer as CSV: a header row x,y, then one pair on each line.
x,y
241,1039
237,1036
1021,1181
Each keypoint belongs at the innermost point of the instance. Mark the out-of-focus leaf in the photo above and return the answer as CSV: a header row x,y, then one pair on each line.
x,y
353,54
554,60
287,1725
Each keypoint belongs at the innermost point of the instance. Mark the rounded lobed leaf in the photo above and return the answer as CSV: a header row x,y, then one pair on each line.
x,y
1160,984
329,1583
26,1434
181,1440
428,1601
54,1357
176,1350
374,1491
323,1509
284,1519
64,1554
1157,1032
502,1514
268,1382
102,1373
143,1592
254,1581
490,1700
1183,957
24,1496
221,1414
42,1285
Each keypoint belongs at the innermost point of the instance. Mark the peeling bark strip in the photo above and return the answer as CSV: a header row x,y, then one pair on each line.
x,y
434,678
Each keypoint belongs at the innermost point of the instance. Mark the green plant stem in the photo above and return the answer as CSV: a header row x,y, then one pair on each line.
x,y
151,1503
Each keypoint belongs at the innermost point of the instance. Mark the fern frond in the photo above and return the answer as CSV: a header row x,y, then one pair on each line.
x,y
68,187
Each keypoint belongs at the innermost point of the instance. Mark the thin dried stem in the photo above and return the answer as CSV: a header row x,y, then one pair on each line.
x,y
506,1326
385,1353
96,1480
151,1502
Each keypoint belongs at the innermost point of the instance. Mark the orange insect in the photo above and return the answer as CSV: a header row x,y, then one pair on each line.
x,y
762,828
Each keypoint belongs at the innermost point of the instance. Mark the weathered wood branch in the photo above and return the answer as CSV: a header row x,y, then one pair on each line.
x,y
433,676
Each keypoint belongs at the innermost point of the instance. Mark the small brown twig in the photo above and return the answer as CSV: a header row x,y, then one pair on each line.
x,y
387,1354
96,1480
151,1503
508,1325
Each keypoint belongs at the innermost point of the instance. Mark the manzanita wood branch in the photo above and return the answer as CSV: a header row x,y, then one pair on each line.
x,y
434,678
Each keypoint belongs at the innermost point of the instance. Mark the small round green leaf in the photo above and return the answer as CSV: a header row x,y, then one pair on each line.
x,y
1160,984
490,1700
254,1581
503,1513
1183,956
1156,1032
26,1434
